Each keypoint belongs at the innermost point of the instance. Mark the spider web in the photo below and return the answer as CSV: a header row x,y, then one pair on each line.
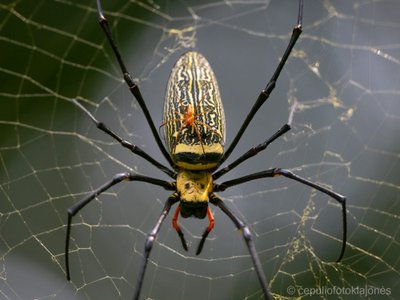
x,y
341,85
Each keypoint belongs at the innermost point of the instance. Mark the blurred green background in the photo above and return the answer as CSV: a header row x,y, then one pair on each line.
x,y
344,75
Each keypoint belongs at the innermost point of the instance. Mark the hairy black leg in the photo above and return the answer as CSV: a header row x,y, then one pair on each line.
x,y
148,245
247,236
73,210
265,93
274,172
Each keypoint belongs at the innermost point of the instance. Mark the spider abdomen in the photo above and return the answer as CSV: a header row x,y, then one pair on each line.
x,y
193,119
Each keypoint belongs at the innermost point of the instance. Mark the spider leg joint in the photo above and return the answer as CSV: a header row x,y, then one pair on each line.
x,y
247,233
149,242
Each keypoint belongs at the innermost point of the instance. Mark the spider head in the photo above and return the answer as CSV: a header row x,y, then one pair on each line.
x,y
194,188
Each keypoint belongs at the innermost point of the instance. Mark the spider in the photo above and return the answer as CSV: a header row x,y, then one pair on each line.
x,y
194,127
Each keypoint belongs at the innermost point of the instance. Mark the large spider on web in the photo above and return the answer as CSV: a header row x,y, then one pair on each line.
x,y
194,127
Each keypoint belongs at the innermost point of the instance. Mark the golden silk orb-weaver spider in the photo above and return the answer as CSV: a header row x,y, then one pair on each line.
x,y
194,126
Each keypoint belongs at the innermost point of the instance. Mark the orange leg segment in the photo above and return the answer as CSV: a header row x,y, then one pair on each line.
x,y
210,219
207,231
178,228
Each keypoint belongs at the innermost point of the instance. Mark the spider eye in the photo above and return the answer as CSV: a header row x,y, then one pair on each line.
x,y
187,185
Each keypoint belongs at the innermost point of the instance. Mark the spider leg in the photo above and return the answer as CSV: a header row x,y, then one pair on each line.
x,y
133,148
265,93
177,137
199,137
148,245
207,231
284,172
208,127
252,152
247,236
73,210
133,87
203,237
178,228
